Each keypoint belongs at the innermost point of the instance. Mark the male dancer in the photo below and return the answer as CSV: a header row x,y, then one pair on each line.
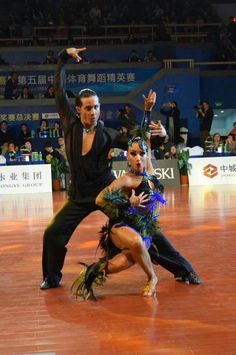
x,y
87,145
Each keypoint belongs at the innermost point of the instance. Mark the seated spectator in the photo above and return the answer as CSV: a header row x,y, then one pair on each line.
x,y
25,94
150,57
233,130
50,93
134,57
49,152
61,149
11,91
50,59
11,154
43,130
56,130
24,134
2,158
4,148
216,141
5,133
163,149
172,152
229,143
26,150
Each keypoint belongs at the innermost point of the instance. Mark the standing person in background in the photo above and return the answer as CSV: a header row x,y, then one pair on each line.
x,y
11,91
171,111
5,133
127,118
205,115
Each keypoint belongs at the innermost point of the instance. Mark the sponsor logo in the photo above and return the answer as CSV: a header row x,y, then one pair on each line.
x,y
210,171
50,115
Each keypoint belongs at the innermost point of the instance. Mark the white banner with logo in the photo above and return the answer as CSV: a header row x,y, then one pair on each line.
x,y
213,170
166,171
18,179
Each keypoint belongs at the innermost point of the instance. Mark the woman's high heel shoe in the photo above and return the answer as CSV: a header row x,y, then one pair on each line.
x,y
150,288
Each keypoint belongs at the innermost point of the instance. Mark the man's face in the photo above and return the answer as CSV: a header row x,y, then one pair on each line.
x,y
89,111
11,147
3,126
61,141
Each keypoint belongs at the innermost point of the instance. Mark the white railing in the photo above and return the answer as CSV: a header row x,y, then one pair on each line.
x,y
191,64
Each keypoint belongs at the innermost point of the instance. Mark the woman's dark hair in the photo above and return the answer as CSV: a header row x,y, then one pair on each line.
x,y
141,143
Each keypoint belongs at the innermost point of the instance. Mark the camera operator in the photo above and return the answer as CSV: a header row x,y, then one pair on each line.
x,y
170,109
127,118
205,115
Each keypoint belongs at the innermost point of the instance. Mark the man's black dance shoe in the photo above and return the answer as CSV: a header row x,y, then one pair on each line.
x,y
45,285
190,278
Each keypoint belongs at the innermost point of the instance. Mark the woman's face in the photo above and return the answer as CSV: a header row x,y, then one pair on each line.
x,y
137,158
173,150
24,128
43,124
216,138
28,146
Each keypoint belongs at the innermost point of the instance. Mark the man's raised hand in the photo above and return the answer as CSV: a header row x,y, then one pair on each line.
x,y
74,53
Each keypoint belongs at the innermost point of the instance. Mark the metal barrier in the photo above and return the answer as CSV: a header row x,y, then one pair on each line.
x,y
118,33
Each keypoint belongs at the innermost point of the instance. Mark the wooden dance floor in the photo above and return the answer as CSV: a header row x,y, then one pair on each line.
x,y
182,319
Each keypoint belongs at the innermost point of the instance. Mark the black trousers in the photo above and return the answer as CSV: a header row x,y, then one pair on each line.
x,y
60,230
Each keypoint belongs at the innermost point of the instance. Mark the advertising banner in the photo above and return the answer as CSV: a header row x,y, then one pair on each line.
x,y
18,179
213,171
166,171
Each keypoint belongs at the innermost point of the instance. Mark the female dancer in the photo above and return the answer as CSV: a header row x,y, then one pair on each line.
x,y
132,203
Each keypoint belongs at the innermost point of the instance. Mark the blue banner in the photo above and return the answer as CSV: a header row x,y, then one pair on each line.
x,y
108,82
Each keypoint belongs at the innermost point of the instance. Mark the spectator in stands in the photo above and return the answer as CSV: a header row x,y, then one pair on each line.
x,y
173,151
233,131
171,111
163,149
134,56
217,141
50,93
25,94
4,148
50,59
150,57
11,91
205,115
56,130
24,134
43,130
61,149
49,152
11,154
127,118
6,134
229,143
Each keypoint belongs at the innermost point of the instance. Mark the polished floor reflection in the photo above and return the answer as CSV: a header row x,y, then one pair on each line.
x,y
182,319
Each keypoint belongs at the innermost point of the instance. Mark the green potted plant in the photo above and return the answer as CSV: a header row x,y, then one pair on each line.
x,y
184,165
57,168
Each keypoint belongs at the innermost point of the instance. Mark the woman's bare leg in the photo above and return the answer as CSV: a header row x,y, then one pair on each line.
x,y
120,262
125,238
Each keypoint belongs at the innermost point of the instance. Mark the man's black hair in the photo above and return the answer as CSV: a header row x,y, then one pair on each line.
x,y
84,93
